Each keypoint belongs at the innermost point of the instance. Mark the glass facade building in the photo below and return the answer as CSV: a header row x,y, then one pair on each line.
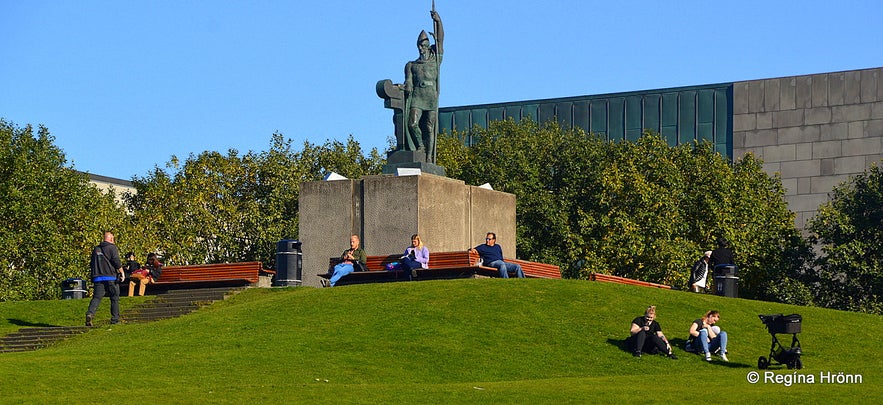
x,y
680,115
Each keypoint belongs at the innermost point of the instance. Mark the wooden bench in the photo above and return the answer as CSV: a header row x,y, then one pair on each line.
x,y
622,280
376,271
442,265
537,270
243,273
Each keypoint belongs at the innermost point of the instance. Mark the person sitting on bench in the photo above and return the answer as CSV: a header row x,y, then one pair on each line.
x,y
145,275
492,256
352,258
416,256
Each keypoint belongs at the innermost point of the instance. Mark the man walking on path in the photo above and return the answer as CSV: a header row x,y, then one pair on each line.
x,y
106,270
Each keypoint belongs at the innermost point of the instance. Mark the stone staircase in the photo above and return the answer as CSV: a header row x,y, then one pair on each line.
x,y
174,303
165,304
36,338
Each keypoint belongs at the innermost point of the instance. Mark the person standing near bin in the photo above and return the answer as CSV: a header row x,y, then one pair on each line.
x,y
699,273
723,254
105,271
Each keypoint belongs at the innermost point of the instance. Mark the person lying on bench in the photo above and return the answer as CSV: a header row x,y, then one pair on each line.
x,y
492,256
352,258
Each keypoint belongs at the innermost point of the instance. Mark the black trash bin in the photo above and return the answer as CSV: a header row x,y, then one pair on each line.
x,y
726,284
289,263
73,289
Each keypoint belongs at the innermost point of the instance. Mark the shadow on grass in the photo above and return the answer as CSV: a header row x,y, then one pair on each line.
x,y
681,344
19,322
678,345
622,344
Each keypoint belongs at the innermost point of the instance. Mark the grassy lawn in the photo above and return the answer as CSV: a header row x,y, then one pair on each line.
x,y
462,341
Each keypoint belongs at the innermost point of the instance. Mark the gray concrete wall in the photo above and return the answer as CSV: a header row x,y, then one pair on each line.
x,y
386,210
815,131
336,217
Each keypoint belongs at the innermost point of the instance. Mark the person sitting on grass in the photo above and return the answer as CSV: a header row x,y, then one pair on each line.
x,y
708,337
646,336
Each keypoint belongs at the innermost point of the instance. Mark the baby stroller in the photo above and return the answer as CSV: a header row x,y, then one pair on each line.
x,y
790,357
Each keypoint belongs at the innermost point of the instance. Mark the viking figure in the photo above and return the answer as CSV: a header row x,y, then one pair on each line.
x,y
421,89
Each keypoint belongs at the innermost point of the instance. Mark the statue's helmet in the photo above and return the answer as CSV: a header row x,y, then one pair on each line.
x,y
422,37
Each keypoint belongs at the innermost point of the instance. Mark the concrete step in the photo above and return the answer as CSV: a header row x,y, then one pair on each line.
x,y
35,338
164,305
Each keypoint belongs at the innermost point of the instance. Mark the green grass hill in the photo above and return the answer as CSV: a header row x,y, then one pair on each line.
x,y
459,341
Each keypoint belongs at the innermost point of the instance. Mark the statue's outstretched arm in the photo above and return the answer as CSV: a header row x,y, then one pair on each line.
x,y
439,32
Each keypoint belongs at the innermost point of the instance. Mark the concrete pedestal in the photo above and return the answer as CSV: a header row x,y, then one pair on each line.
x,y
411,160
386,210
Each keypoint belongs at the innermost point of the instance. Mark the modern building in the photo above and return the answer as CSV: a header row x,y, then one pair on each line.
x,y
815,131
119,186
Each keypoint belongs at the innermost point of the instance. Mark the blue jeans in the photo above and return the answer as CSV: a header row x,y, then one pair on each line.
x,y
719,341
112,290
341,270
504,268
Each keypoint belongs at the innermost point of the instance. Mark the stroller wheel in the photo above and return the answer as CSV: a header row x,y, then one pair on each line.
x,y
795,363
762,363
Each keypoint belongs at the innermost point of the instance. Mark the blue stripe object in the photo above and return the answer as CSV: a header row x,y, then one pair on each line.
x,y
104,278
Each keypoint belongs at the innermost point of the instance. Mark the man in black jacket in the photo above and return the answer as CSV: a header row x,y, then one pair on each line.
x,y
106,271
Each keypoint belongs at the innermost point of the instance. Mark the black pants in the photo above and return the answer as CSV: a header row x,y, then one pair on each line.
x,y
112,290
647,343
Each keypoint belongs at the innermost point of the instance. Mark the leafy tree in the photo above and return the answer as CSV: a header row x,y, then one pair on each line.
x,y
52,216
215,208
637,209
850,229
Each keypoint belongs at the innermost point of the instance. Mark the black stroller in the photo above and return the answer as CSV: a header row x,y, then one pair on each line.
x,y
778,323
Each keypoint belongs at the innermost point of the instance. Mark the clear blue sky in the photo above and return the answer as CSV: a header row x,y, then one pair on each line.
x,y
124,85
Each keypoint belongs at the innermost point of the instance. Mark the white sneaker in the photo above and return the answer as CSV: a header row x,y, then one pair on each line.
x,y
707,356
724,357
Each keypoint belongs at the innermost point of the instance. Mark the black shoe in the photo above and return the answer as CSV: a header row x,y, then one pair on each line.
x,y
636,354
414,273
88,320
672,356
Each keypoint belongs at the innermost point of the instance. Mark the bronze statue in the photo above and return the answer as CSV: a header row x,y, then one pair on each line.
x,y
415,105
421,90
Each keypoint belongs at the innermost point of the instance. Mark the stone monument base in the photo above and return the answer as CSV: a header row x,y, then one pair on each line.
x,y
411,159
386,210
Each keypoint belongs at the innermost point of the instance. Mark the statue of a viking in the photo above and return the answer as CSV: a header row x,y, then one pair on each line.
x,y
421,89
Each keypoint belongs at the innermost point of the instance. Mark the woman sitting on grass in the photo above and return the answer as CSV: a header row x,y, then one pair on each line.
x,y
646,336
706,336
